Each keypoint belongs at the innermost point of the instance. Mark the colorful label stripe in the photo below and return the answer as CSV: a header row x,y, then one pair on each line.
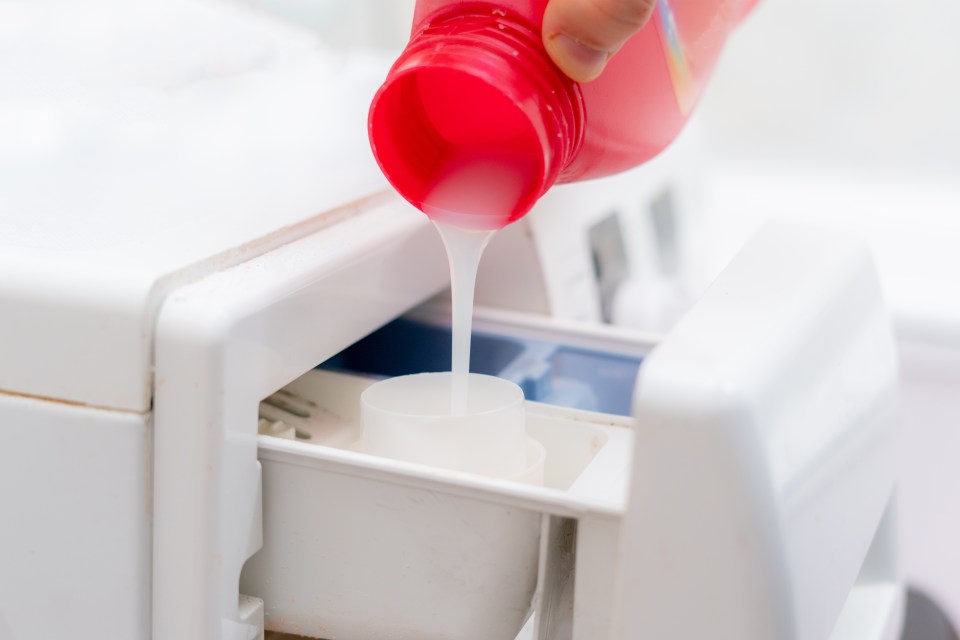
x,y
673,49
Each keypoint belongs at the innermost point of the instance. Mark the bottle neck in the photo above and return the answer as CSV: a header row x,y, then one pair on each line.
x,y
474,95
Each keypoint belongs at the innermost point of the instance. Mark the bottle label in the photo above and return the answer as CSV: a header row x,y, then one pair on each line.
x,y
675,54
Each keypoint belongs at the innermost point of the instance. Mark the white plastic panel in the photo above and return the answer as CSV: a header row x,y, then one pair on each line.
x,y
764,456
146,145
75,521
352,554
230,340
913,230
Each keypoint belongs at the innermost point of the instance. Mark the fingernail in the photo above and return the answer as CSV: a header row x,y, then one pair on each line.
x,y
578,60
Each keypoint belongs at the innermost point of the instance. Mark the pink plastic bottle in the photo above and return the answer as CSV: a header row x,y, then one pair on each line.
x,y
474,122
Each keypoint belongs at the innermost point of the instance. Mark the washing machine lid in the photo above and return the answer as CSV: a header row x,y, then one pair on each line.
x,y
145,145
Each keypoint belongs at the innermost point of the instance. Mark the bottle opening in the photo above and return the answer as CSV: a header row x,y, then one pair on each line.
x,y
459,148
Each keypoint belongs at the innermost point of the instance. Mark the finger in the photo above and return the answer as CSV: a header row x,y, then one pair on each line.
x,y
582,35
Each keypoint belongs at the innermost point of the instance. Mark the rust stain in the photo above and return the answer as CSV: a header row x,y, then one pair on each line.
x,y
279,635
71,403
148,470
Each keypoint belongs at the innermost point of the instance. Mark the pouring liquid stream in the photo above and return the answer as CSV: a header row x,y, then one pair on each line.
x,y
464,248
470,200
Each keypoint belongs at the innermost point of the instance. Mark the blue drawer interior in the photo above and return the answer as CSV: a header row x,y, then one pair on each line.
x,y
546,371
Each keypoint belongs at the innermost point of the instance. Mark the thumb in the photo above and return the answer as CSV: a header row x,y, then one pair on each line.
x,y
582,35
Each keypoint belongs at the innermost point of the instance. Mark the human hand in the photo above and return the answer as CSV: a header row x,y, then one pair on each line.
x,y
582,35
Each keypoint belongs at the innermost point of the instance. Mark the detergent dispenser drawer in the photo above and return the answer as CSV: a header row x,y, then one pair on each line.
x,y
365,547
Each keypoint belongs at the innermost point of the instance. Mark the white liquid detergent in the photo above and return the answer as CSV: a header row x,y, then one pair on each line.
x,y
470,200
458,420
464,249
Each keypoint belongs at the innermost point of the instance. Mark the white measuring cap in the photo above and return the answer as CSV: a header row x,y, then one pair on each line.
x,y
409,418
